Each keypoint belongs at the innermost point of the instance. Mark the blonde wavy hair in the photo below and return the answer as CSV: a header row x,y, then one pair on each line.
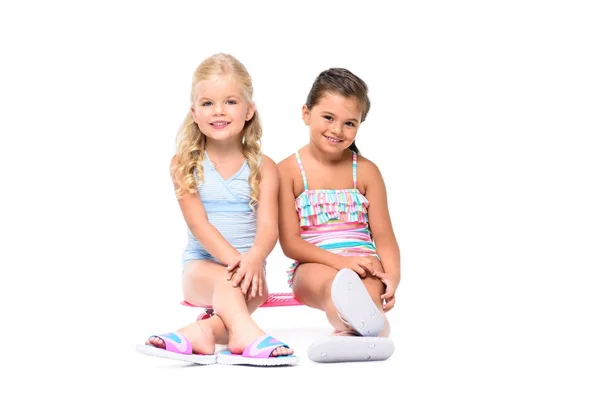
x,y
191,142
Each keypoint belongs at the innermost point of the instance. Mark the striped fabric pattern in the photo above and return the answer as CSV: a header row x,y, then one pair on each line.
x,y
227,205
334,220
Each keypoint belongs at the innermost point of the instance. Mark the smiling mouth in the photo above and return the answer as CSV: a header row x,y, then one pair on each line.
x,y
333,140
220,124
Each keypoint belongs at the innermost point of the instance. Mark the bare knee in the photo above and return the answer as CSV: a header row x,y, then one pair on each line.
x,y
199,278
261,299
312,284
303,291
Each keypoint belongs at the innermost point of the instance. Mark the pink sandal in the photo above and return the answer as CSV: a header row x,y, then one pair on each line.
x,y
258,353
177,347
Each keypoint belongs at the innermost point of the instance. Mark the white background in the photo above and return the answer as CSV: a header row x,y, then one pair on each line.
x,y
484,122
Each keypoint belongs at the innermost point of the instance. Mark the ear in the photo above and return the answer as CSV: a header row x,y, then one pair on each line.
x,y
305,115
250,112
193,114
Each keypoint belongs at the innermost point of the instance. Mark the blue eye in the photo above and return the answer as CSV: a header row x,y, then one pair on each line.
x,y
231,102
206,104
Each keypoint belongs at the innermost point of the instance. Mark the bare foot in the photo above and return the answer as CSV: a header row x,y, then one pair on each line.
x,y
240,338
199,333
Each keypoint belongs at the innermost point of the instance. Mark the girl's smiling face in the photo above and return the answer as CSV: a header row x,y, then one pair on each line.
x,y
220,108
333,122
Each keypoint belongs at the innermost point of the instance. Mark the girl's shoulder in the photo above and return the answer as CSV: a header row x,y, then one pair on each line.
x,y
368,174
365,165
287,165
267,165
266,162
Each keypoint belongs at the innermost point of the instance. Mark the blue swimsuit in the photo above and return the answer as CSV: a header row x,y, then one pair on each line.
x,y
227,205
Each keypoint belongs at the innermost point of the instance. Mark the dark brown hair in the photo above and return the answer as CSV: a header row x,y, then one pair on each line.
x,y
342,82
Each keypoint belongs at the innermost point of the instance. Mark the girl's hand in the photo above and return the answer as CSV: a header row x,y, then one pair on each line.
x,y
391,282
248,275
231,268
363,266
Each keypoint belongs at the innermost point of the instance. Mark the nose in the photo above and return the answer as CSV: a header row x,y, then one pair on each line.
x,y
218,109
336,129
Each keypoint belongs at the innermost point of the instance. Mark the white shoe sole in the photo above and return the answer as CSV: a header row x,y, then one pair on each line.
x,y
225,357
354,304
149,350
350,349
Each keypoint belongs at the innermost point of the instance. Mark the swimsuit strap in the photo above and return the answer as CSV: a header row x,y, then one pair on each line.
x,y
354,162
302,171
354,158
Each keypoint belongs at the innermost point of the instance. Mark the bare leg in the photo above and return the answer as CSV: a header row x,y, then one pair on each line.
x,y
199,280
230,305
312,286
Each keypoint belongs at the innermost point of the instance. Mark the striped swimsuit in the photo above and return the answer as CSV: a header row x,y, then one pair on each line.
x,y
227,205
334,219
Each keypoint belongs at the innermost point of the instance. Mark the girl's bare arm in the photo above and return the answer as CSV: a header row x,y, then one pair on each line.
x,y
379,218
267,212
196,219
